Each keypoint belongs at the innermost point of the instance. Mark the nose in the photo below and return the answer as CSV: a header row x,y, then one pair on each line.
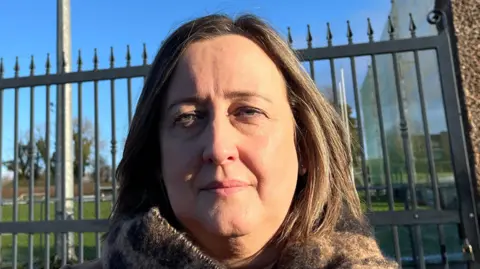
x,y
220,147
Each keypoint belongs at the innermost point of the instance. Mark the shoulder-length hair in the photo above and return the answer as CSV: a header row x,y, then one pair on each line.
x,y
324,195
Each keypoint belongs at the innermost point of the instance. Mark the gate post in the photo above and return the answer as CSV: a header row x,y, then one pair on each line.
x,y
462,24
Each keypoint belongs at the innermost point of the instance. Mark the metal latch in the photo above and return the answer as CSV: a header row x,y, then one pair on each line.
x,y
467,250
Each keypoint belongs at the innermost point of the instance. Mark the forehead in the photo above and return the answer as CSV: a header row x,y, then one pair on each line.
x,y
225,63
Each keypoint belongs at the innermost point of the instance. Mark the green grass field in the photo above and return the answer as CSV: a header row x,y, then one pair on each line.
x,y
384,235
40,239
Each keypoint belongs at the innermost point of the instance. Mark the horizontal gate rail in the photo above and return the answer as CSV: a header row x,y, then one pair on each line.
x,y
372,48
101,225
420,217
75,77
60,226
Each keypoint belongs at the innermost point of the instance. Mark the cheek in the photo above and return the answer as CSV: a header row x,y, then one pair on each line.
x,y
273,159
179,191
179,159
178,166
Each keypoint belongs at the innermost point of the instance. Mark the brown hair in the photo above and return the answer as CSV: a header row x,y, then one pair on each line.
x,y
324,196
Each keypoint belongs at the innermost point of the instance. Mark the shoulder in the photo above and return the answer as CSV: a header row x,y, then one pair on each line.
x,y
96,264
357,250
337,250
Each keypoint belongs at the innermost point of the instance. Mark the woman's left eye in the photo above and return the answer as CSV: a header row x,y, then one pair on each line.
x,y
248,112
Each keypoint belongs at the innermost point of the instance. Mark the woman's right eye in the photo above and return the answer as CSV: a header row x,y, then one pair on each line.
x,y
187,119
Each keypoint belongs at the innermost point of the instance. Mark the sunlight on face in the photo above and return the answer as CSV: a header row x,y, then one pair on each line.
x,y
229,160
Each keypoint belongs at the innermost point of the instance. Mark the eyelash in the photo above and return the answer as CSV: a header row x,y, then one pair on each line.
x,y
185,116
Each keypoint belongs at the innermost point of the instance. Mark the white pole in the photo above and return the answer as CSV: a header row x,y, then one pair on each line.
x,y
64,143
344,111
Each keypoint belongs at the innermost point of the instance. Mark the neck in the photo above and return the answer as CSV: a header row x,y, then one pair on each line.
x,y
242,252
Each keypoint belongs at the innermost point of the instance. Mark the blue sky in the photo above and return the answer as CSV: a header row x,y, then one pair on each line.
x,y
29,28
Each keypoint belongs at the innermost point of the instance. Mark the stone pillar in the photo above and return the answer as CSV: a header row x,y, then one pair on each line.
x,y
466,25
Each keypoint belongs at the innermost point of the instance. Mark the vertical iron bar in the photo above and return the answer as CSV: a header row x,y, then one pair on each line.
x,y
47,166
360,133
58,168
63,184
15,173
97,156
409,160
129,96
312,69
31,153
386,161
1,155
145,60
129,92
129,88
80,161
47,177
114,140
309,45
334,85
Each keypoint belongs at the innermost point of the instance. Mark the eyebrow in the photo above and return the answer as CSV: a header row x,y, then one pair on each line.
x,y
239,94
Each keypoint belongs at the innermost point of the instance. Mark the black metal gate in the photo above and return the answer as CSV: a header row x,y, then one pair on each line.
x,y
419,197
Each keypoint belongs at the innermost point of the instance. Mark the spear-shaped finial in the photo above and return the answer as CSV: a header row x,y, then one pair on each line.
x,y
95,59
79,60
1,68
47,64
412,27
64,62
309,36
144,54
32,66
112,58
16,68
349,33
290,39
128,57
391,28
329,35
370,31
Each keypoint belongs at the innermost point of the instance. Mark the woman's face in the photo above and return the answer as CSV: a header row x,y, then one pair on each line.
x,y
229,160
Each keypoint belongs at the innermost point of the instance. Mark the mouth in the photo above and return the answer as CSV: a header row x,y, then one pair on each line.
x,y
225,187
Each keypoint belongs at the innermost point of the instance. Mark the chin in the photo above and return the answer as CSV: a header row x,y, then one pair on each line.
x,y
237,215
233,226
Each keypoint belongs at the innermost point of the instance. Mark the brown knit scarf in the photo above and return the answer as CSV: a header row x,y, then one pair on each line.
x,y
148,241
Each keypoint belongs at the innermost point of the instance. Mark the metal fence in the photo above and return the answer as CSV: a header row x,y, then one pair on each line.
x,y
420,219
